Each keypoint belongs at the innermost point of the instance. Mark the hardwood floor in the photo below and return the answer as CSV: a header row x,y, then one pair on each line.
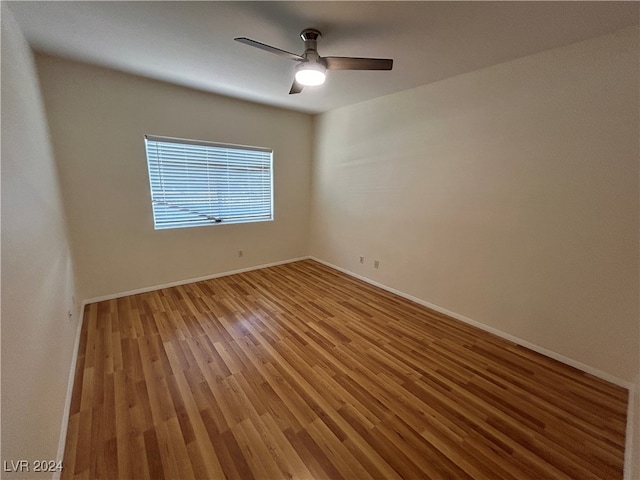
x,y
299,371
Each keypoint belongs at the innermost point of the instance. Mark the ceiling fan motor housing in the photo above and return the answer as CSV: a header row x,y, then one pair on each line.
x,y
310,37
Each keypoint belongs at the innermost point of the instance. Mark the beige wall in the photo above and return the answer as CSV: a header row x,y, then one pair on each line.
x,y
98,119
508,195
37,275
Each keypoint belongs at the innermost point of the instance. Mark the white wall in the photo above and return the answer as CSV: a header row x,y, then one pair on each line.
x,y
37,274
508,195
98,119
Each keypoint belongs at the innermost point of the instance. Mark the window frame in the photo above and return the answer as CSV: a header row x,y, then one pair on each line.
x,y
231,164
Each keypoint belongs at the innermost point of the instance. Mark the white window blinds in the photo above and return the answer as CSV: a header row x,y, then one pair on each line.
x,y
197,183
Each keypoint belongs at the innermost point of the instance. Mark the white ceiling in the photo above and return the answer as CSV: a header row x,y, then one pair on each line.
x,y
191,43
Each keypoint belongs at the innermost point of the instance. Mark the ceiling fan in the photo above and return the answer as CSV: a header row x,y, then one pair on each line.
x,y
311,69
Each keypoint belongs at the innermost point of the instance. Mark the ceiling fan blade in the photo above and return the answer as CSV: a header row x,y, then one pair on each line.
x,y
295,87
352,63
268,48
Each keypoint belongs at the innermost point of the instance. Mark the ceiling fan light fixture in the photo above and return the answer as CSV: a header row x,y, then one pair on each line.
x,y
311,69
310,74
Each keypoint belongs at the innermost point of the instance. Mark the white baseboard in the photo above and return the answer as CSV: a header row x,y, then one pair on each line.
x,y
631,451
189,280
548,353
634,389
62,441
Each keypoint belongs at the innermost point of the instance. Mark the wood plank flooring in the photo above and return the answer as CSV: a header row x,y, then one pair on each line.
x,y
299,371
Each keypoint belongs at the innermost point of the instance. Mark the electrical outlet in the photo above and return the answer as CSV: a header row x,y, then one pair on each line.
x,y
376,264
361,259
240,253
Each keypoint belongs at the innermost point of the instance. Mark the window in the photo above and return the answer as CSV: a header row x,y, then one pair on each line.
x,y
197,183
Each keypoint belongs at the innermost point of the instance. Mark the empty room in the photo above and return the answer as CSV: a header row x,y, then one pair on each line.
x,y
320,240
